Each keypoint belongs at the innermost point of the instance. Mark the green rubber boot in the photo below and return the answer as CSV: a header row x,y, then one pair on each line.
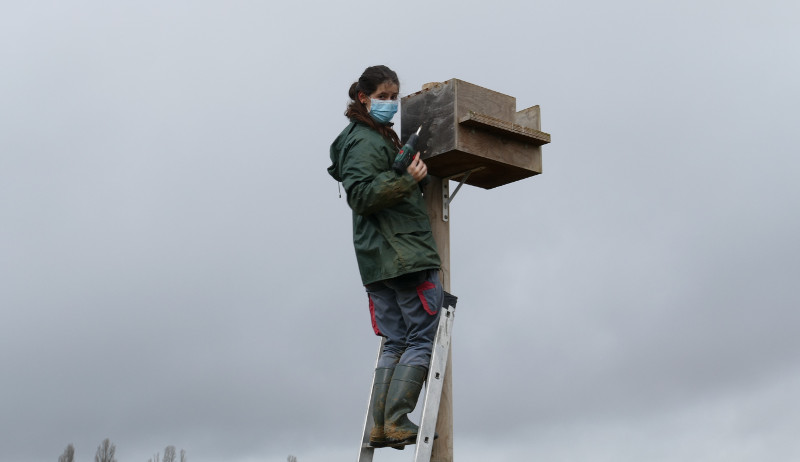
x,y
383,377
400,401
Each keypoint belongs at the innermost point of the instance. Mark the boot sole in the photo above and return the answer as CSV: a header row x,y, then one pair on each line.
x,y
399,447
407,441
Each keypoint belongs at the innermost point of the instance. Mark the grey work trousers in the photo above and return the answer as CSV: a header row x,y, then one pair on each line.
x,y
405,310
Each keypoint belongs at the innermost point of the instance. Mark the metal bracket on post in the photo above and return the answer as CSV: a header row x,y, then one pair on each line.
x,y
446,197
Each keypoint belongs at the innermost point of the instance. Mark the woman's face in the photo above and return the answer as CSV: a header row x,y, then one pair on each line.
x,y
386,91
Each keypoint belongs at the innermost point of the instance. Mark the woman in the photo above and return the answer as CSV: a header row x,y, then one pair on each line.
x,y
395,250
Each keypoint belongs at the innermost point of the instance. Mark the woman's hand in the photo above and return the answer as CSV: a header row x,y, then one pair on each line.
x,y
417,169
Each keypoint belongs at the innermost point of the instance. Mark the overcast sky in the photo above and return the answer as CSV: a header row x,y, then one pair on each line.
x,y
176,266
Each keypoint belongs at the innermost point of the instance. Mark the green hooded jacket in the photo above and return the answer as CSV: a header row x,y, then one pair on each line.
x,y
391,230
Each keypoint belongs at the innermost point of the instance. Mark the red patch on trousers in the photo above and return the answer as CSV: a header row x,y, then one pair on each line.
x,y
372,316
427,285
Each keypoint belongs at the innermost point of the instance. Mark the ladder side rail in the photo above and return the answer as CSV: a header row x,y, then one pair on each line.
x,y
366,451
433,387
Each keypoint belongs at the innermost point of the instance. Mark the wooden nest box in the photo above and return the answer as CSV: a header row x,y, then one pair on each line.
x,y
467,129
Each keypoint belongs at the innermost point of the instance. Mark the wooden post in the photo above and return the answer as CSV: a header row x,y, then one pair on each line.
x,y
478,136
442,446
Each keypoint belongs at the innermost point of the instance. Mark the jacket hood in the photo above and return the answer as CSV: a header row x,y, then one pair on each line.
x,y
337,148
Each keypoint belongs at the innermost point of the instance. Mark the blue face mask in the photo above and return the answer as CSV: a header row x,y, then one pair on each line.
x,y
382,110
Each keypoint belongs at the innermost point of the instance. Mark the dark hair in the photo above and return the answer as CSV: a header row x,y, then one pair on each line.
x,y
369,81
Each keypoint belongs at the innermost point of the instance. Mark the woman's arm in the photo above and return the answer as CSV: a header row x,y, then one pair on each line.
x,y
370,183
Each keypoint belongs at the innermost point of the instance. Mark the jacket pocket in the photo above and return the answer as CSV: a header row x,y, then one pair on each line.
x,y
430,293
404,225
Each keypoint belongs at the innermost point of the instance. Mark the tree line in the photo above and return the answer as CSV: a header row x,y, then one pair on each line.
x,y
106,452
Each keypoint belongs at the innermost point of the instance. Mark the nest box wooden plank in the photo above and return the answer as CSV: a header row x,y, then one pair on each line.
x,y
470,129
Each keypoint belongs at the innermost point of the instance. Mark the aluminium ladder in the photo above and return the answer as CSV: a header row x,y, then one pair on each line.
x,y
433,388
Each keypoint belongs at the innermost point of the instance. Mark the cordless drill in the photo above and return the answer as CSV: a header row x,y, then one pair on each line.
x,y
406,155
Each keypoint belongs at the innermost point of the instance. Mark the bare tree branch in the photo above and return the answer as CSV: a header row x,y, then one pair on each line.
x,y
105,452
68,455
169,454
